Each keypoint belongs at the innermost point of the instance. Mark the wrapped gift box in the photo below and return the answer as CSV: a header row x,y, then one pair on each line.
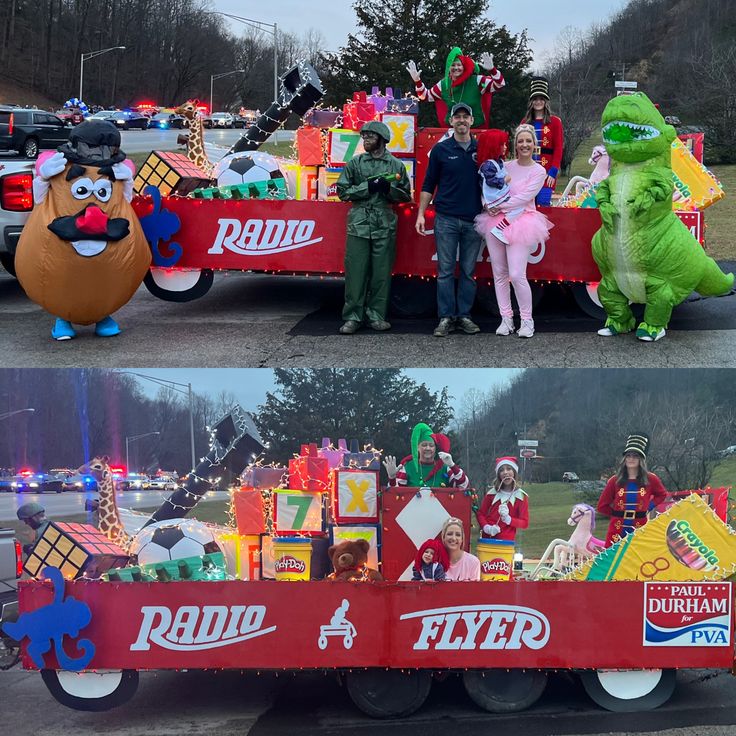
x,y
249,508
403,129
242,554
369,532
356,496
309,471
365,459
333,454
358,112
409,517
76,549
319,118
170,173
264,476
298,513
309,146
407,105
342,145
327,184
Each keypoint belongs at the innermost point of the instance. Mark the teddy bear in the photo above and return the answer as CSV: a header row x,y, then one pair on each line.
x,y
349,561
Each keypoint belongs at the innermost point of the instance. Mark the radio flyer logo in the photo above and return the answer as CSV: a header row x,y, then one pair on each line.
x,y
339,626
289,563
256,237
687,614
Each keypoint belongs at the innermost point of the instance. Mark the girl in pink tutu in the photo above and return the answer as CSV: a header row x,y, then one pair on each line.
x,y
522,233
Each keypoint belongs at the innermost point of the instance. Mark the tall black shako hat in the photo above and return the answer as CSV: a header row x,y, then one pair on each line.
x,y
540,88
93,143
637,443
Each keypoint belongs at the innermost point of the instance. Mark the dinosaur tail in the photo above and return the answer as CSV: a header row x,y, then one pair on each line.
x,y
714,281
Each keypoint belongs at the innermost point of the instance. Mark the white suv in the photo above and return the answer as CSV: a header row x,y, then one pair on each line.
x,y
221,120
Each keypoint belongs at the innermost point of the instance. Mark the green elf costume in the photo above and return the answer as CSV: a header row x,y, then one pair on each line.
x,y
372,182
470,86
440,473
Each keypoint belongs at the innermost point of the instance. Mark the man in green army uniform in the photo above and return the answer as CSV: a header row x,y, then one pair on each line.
x,y
372,181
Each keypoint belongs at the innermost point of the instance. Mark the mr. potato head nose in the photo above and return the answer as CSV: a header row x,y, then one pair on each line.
x,y
93,221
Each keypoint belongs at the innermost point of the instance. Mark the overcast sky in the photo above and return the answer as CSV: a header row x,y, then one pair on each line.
x,y
336,19
251,384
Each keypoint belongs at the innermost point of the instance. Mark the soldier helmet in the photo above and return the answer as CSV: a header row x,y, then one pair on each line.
x,y
27,510
380,129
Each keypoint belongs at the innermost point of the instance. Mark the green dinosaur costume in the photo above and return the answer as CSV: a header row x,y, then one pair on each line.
x,y
644,252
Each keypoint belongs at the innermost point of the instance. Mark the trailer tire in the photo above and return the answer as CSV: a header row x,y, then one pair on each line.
x,y
91,691
179,286
388,693
413,297
628,691
504,691
586,297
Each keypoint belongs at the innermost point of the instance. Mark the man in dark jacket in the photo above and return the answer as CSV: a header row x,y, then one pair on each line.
x,y
372,181
452,179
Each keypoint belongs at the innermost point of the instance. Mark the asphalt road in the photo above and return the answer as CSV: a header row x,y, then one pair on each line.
x,y
267,704
61,505
251,320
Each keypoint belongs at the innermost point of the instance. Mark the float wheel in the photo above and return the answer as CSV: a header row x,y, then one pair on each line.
x,y
504,691
173,285
586,297
413,297
91,691
628,691
388,693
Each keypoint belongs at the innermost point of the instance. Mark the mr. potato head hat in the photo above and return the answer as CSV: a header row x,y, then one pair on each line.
x,y
93,143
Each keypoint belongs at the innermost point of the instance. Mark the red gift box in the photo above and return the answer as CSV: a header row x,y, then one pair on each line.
x,y
249,511
358,112
310,148
309,471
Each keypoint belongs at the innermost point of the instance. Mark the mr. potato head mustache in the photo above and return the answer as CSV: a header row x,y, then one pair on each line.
x,y
90,223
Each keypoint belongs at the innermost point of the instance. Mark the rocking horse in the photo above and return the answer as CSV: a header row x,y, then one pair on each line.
x,y
582,543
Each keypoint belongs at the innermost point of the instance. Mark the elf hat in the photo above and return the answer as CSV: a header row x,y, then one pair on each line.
x,y
637,443
421,433
540,88
442,442
508,460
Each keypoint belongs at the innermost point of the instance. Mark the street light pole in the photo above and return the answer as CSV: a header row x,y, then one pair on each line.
x,y
178,387
219,76
91,55
132,438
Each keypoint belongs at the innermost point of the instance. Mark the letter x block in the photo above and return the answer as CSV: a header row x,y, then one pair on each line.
x,y
356,496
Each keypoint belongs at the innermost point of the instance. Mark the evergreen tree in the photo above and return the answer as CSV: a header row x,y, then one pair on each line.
x,y
380,405
394,31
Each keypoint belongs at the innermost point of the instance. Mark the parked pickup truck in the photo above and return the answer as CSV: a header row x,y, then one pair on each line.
x,y
10,571
16,202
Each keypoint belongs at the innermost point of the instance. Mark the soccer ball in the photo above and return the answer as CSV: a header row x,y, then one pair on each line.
x,y
246,167
173,539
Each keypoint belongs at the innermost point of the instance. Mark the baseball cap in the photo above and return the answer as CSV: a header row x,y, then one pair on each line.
x,y
460,106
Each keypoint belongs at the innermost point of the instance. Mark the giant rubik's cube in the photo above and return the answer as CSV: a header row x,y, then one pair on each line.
x,y
411,516
76,549
170,173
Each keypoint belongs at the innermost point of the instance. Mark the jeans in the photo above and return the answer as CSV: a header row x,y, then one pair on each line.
x,y
451,234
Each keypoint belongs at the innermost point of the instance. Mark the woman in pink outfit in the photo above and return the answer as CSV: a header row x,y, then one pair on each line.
x,y
463,565
522,233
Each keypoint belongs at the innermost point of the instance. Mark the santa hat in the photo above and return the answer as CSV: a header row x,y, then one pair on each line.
x,y
508,460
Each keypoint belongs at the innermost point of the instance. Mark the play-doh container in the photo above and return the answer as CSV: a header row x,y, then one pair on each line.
x,y
496,558
292,558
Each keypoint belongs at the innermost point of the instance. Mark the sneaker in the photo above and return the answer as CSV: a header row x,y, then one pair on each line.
x,y
607,332
497,233
646,337
445,327
62,330
350,327
107,327
506,327
380,325
527,328
468,326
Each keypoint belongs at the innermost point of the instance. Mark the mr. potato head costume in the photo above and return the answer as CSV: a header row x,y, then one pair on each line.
x,y
82,253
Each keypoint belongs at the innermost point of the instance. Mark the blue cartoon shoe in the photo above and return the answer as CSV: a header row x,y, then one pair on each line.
x,y
62,330
107,328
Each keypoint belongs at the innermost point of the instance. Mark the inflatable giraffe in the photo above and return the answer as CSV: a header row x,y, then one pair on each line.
x,y
195,140
109,522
